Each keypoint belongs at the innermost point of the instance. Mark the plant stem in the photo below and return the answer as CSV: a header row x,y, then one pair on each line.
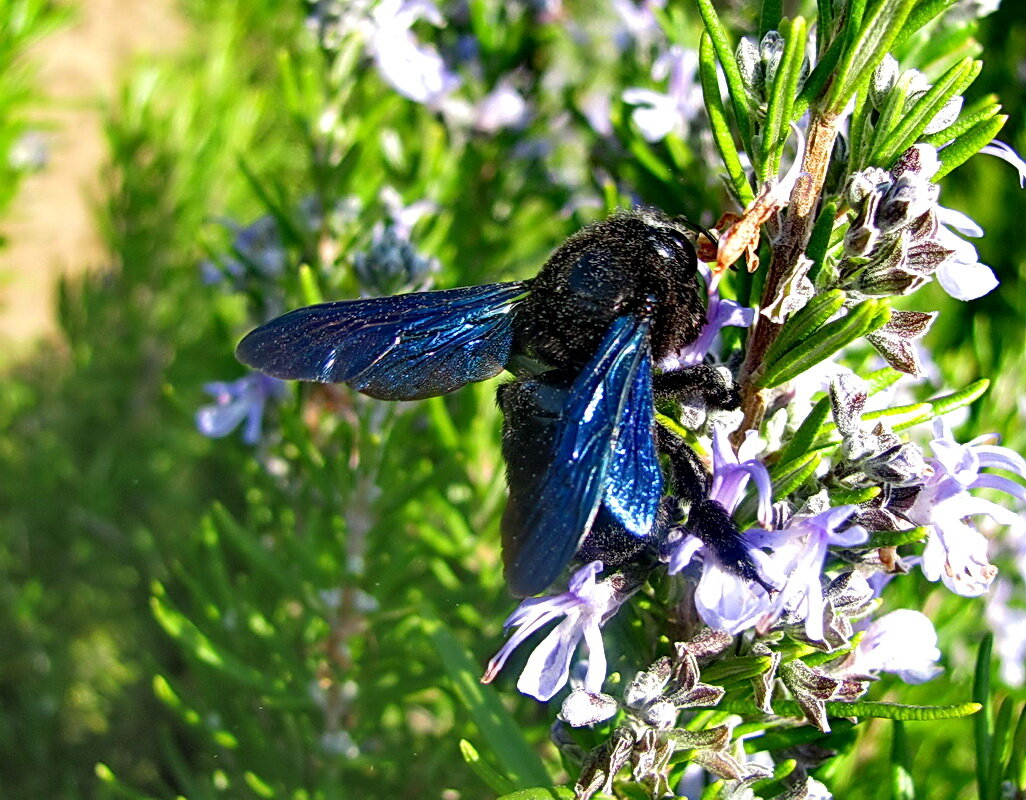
x,y
787,248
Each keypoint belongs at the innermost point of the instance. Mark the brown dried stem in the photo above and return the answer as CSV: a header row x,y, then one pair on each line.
x,y
788,247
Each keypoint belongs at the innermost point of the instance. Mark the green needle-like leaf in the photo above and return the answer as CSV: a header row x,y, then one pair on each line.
x,y
773,787
805,322
793,474
1001,747
769,19
115,787
854,496
921,15
818,79
819,658
898,418
495,781
956,400
782,95
910,128
824,22
859,130
983,724
725,53
309,290
540,793
869,709
970,117
862,709
864,318
902,787
877,34
791,737
968,144
802,440
496,724
718,121
202,647
1017,763
819,239
901,417
735,670
896,538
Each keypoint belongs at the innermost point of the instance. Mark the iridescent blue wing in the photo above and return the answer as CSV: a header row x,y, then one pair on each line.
x,y
634,481
402,347
542,534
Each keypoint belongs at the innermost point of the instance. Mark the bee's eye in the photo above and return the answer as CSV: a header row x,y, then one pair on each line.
x,y
681,238
673,245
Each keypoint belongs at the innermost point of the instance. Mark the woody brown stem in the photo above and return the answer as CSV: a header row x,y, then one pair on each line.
x,y
788,247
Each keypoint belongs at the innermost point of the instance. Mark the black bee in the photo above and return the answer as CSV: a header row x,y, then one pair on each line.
x,y
583,337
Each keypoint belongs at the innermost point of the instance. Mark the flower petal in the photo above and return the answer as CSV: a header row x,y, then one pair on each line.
x,y
1008,155
966,281
548,667
217,421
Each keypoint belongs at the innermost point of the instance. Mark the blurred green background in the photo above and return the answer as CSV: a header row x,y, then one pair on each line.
x,y
167,616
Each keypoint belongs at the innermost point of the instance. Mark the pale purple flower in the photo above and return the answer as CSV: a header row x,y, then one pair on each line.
x,y
638,20
907,236
1009,156
413,69
404,217
800,551
30,152
1009,625
596,107
903,642
955,551
962,275
658,114
503,107
731,473
237,403
584,607
720,313
724,600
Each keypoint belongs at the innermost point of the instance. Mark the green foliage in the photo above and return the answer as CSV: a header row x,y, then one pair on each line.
x,y
308,618
22,24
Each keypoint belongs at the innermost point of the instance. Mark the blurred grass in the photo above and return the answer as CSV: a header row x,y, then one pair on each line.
x,y
22,24
107,486
103,470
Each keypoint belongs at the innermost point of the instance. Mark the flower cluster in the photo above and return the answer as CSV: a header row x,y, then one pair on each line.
x,y
810,567
418,69
787,492
899,237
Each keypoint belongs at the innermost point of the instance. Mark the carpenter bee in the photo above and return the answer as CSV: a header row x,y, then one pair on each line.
x,y
583,338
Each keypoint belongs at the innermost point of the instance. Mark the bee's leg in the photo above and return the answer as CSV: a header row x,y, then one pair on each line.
x,y
689,477
706,518
702,381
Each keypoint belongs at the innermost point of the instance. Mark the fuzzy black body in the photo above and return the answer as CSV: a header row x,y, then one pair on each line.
x,y
534,411
585,338
607,270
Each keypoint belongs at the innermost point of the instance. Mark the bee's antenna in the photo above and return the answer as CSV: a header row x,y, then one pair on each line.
x,y
694,226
